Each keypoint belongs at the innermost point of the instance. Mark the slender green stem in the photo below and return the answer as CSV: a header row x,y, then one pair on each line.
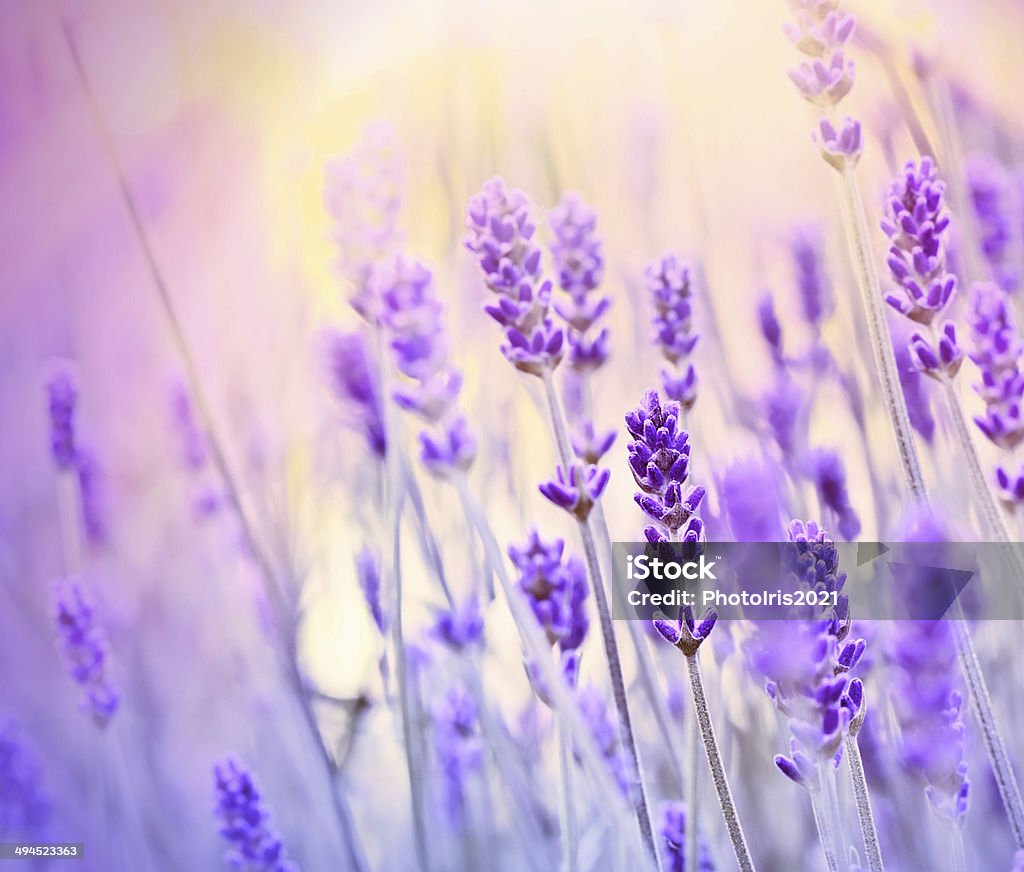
x,y
872,849
878,330
707,732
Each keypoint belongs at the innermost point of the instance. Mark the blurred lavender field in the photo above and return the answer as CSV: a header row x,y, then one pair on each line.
x,y
337,344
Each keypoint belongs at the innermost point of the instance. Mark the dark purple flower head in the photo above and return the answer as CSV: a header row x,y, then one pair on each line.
x,y
769,324
576,249
992,197
459,752
556,587
93,497
939,359
684,632
1011,486
83,646
577,489
589,445
996,348
916,222
659,458
674,836
363,195
807,248
245,822
354,381
840,147
24,805
62,397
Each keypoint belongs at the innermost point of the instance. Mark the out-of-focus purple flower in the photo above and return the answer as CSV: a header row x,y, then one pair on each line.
x,y
363,196
819,27
461,626
24,806
817,300
841,148
92,494
355,383
941,360
451,448
674,835
669,283
1011,486
83,646
577,489
824,83
245,822
62,397
684,632
996,348
829,477
785,411
576,249
368,576
659,458
992,197
916,221
589,445
603,729
459,752
195,453
749,495
769,324
556,588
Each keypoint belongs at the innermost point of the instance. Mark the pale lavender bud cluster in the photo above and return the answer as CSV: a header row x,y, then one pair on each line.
x,y
354,380
807,659
674,837
62,397
817,300
916,222
605,733
500,235
996,348
927,702
659,458
992,196
579,261
363,196
556,588
770,326
459,751
82,643
24,806
368,577
413,317
670,284
461,626
827,471
576,489
821,31
207,496
245,822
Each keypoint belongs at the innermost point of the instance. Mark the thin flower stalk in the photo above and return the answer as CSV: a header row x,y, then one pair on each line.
x,y
872,849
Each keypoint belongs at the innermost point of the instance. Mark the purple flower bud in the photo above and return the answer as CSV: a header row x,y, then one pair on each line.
x,y
589,445
576,249
83,645
670,286
1011,486
576,490
555,587
354,381
824,84
536,352
768,321
62,397
368,576
817,300
674,836
459,751
245,822
450,449
460,627
841,148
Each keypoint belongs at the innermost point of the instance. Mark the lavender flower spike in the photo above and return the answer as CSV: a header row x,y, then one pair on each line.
x,y
674,836
577,489
245,822
83,645
24,806
669,283
459,752
62,397
354,381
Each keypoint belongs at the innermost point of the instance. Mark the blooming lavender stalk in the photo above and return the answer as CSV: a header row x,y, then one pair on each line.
x,y
500,234
413,316
355,382
62,398
817,300
670,284
245,822
83,645
829,476
459,752
24,806
207,498
363,195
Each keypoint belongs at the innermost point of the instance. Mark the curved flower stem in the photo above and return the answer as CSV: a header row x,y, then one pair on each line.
x,y
611,648
878,330
707,731
872,849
